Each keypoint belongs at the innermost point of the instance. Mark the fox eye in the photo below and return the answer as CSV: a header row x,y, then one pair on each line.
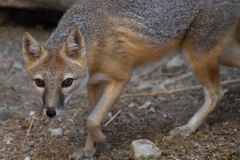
x,y
40,83
67,82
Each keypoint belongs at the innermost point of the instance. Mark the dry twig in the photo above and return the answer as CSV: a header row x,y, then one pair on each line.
x,y
176,90
30,127
113,118
176,78
165,82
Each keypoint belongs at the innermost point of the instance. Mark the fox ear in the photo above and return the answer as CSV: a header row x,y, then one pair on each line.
x,y
31,48
74,45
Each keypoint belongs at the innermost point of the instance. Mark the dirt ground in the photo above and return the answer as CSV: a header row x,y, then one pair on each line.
x,y
218,138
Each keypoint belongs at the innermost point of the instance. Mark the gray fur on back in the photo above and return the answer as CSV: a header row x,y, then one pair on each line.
x,y
159,20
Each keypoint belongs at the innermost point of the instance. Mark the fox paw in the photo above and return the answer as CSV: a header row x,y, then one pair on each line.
x,y
182,131
83,154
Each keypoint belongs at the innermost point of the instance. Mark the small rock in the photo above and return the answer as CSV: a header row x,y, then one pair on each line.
x,y
165,152
174,66
4,114
131,115
145,106
75,134
144,150
31,113
131,105
27,158
56,132
7,139
152,110
27,149
18,65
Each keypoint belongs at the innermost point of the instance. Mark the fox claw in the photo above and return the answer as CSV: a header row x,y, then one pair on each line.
x,y
83,154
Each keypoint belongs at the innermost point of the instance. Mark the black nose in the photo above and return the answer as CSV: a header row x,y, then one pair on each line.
x,y
51,112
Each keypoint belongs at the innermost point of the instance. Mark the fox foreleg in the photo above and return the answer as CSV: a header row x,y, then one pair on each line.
x,y
112,92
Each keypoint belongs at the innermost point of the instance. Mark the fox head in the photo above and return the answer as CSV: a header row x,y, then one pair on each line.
x,y
56,76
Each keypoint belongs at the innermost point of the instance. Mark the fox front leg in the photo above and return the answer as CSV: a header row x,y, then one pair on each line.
x,y
112,92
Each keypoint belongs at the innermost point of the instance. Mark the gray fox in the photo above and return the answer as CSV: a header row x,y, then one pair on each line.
x,y
98,43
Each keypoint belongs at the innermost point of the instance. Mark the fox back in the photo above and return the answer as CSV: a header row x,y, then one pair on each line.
x,y
157,21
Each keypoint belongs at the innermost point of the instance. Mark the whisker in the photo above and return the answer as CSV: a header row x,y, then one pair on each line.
x,y
66,104
39,103
60,113
39,111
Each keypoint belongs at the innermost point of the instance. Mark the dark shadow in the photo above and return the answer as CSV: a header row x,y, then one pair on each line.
x,y
45,18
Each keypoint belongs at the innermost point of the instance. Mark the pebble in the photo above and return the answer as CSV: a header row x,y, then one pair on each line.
x,y
31,113
75,134
27,149
56,132
145,106
27,158
131,105
152,110
4,114
166,152
7,139
18,65
143,149
174,66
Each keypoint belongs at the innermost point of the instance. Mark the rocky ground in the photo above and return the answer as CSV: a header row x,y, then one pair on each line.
x,y
142,116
